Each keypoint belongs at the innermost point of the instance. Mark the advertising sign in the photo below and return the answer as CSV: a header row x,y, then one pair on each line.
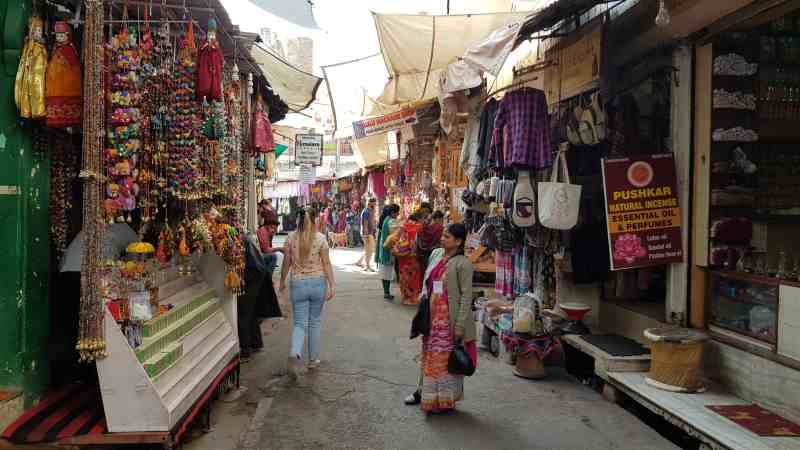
x,y
308,174
644,218
577,67
308,149
389,122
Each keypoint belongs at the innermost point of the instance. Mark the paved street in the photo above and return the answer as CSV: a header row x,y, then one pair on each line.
x,y
369,366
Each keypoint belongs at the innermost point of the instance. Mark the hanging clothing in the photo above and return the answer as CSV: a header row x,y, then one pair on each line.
x,y
488,115
504,273
524,113
440,389
262,139
29,87
209,71
376,184
469,161
64,100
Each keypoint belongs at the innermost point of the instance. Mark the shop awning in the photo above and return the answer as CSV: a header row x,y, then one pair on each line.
x,y
296,88
372,150
298,12
418,48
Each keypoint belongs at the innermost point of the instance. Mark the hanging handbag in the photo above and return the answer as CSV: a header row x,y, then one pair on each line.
x,y
524,201
559,202
459,362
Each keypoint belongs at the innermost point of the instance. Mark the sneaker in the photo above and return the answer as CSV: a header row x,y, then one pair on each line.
x,y
314,364
388,298
295,367
413,399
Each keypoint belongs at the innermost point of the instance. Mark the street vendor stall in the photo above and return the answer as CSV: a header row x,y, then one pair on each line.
x,y
168,124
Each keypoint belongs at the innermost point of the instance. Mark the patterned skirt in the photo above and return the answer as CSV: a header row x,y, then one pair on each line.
x,y
410,279
440,389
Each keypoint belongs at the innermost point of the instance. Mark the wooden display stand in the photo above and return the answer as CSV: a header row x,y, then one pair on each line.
x,y
158,386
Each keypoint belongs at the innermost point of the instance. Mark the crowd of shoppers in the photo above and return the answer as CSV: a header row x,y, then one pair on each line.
x,y
421,253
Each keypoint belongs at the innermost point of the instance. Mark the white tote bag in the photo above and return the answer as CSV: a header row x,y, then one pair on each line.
x,y
559,203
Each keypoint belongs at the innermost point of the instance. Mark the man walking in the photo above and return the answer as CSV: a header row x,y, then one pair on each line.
x,y
367,221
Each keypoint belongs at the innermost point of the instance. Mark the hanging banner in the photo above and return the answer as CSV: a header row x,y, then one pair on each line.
x,y
308,149
389,122
308,174
644,218
576,66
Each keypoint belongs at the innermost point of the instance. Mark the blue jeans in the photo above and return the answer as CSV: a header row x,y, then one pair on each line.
x,y
308,298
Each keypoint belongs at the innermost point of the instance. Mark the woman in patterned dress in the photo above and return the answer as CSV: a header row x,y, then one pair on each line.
x,y
449,289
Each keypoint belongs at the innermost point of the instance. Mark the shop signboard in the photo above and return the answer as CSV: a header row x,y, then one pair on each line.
x,y
382,124
308,174
644,218
308,149
576,67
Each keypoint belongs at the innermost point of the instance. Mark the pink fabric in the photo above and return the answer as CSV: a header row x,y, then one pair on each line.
x,y
376,182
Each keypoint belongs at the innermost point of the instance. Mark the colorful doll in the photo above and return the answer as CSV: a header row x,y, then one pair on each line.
x,y
63,82
29,86
209,66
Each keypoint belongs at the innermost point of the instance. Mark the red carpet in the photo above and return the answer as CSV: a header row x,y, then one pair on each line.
x,y
758,420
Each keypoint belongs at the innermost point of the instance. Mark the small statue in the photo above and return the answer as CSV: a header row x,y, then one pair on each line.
x,y
29,85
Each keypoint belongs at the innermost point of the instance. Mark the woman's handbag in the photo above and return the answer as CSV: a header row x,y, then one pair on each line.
x,y
459,362
559,202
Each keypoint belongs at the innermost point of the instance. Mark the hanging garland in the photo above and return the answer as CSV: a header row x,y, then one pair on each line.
x,y
124,126
184,163
63,172
91,334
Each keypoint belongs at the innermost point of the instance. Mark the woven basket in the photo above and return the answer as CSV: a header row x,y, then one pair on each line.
x,y
676,359
529,367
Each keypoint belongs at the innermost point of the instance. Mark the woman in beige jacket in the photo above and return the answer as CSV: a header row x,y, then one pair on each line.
x,y
449,291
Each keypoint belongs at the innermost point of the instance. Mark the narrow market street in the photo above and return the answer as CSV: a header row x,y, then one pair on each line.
x,y
355,400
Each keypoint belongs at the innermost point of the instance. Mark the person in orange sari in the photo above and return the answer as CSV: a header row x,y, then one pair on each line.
x,y
410,269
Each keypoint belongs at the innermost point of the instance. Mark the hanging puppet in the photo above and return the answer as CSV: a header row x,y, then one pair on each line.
x,y
209,66
63,82
262,140
29,85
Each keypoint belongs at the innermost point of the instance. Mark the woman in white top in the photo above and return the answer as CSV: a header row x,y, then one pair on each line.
x,y
311,285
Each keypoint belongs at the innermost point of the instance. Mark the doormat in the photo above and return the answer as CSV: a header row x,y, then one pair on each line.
x,y
615,345
758,420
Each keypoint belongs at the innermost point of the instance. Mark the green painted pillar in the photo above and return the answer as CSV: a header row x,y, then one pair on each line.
x,y
24,227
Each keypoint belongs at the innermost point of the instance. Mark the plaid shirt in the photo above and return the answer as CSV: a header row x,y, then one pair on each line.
x,y
523,116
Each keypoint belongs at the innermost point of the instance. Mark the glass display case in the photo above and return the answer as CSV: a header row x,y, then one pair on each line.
x,y
746,304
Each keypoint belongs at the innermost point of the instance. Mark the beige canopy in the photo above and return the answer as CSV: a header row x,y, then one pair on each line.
x,y
295,87
418,48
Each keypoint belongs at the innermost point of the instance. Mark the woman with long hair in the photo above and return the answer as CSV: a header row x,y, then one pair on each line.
x,y
408,261
449,291
311,285
383,256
